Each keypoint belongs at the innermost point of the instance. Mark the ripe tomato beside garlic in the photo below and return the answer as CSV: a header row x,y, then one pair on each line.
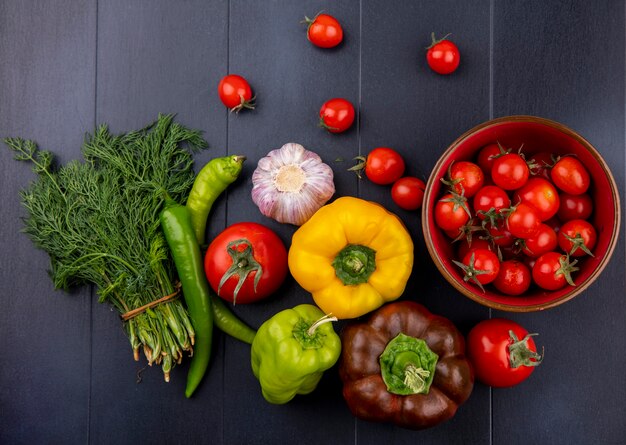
x,y
291,183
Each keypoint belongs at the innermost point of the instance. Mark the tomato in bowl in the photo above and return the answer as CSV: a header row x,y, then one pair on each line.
x,y
532,136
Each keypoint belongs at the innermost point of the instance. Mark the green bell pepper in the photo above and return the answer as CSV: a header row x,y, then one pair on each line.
x,y
291,351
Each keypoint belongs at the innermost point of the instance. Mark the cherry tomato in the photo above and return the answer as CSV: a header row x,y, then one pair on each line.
x,y
500,235
477,243
577,237
541,164
443,56
336,115
408,192
383,165
490,197
451,212
246,254
510,171
575,207
324,31
570,175
552,271
523,221
465,178
486,156
235,93
503,353
514,278
544,241
540,194
480,266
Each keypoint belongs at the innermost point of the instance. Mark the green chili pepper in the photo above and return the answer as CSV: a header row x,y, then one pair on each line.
x,y
212,180
176,224
228,323
292,350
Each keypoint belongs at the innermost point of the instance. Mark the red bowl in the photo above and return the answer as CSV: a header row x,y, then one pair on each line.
x,y
535,135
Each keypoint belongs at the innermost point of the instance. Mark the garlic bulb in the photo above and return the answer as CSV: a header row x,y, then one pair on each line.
x,y
291,183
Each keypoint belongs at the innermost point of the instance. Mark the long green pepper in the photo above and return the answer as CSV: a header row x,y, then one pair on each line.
x,y
176,224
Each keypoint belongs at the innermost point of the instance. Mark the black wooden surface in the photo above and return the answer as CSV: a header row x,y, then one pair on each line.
x,y
67,373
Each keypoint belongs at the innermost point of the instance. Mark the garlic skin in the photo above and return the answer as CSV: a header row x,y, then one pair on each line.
x,y
291,183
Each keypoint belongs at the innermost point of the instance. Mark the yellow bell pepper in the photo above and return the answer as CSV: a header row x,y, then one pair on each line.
x,y
353,256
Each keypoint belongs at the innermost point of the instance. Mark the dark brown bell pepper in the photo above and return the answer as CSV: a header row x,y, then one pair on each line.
x,y
406,366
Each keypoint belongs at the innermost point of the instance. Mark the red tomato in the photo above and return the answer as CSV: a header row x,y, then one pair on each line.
x,y
477,243
383,165
451,212
465,178
514,278
523,221
336,115
490,197
408,192
552,271
540,194
570,175
500,235
249,255
324,31
235,93
544,241
503,352
487,155
575,207
480,266
577,237
443,56
541,164
510,171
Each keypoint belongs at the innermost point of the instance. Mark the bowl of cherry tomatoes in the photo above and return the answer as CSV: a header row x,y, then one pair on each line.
x,y
521,214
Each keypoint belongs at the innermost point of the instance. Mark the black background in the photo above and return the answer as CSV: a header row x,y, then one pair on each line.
x,y
66,370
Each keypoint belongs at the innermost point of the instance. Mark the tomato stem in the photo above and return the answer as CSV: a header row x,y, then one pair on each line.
x,y
436,41
243,263
520,354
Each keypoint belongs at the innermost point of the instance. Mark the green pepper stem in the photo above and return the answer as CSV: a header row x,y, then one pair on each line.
x,y
321,321
354,264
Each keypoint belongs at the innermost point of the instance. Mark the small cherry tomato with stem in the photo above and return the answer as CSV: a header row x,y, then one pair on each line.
x,y
443,56
540,164
487,155
480,266
464,178
466,246
553,270
382,166
570,175
510,171
577,237
489,201
408,192
522,220
235,93
543,242
540,194
451,212
323,30
503,353
336,115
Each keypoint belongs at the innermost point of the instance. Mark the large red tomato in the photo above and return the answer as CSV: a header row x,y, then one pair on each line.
x,y
246,262
503,352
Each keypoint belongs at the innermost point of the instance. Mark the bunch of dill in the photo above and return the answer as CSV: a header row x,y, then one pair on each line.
x,y
99,222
